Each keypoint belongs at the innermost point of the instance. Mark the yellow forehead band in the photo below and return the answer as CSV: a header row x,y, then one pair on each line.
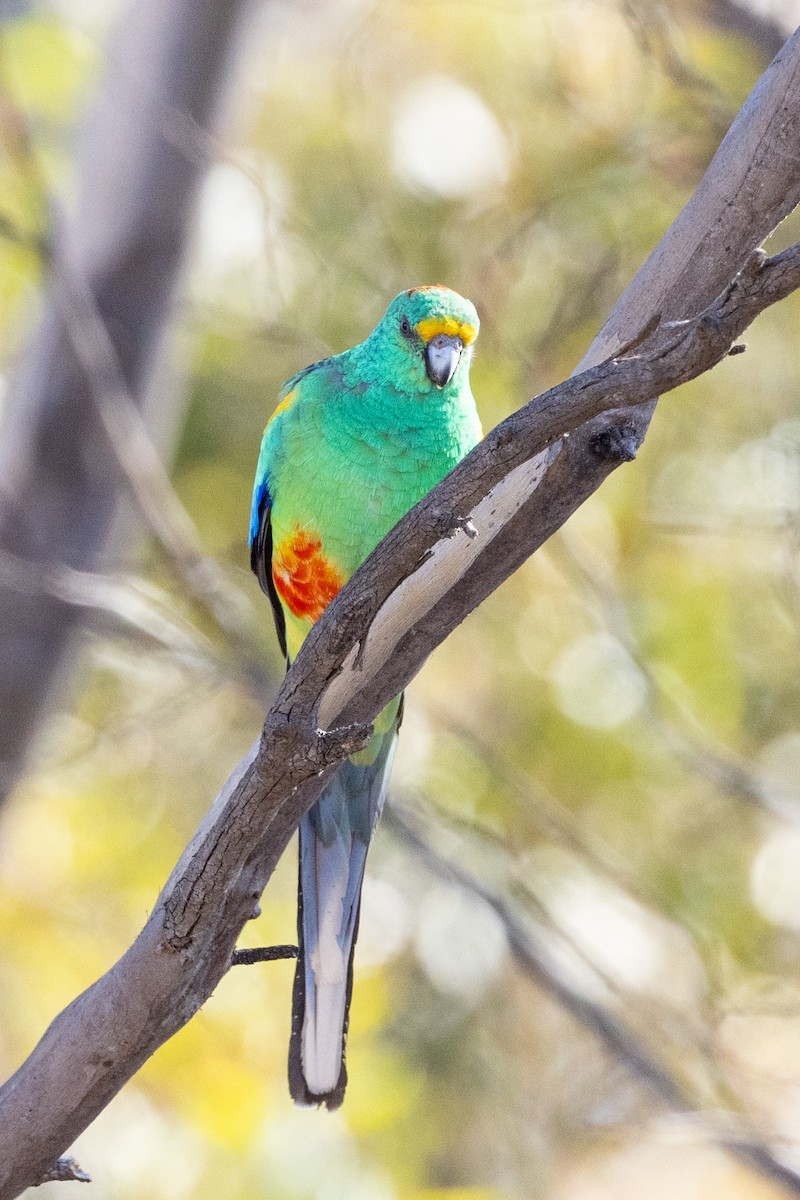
x,y
431,326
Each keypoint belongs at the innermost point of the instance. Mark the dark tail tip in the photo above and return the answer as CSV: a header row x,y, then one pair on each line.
x,y
297,1082
298,1088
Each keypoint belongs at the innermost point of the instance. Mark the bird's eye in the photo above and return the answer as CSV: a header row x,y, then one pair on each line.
x,y
405,327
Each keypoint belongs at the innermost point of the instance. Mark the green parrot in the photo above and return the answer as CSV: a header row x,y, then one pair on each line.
x,y
354,443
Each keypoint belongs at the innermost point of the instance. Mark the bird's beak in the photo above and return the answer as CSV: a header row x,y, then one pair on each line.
x,y
442,354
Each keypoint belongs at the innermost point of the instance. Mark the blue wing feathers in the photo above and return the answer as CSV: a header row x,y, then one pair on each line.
x,y
262,500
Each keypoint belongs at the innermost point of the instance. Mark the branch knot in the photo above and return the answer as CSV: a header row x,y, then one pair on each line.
x,y
332,745
617,443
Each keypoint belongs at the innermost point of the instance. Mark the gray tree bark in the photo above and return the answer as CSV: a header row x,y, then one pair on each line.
x,y
143,160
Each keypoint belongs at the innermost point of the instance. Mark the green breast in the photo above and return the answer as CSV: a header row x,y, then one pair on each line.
x,y
348,466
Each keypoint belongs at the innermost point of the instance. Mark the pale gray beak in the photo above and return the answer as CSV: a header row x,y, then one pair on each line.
x,y
441,358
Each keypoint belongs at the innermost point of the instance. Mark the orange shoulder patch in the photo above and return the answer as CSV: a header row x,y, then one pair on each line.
x,y
304,578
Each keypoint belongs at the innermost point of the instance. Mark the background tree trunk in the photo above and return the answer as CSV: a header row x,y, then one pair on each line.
x,y
144,157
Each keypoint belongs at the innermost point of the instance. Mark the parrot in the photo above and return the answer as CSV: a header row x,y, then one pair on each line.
x,y
354,442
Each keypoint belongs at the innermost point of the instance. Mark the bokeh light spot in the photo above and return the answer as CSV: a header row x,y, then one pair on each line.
x,y
597,683
447,141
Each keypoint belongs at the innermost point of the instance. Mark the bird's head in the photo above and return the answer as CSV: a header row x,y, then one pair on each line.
x,y
431,331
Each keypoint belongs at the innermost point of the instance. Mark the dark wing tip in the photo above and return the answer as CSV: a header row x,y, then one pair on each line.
x,y
261,563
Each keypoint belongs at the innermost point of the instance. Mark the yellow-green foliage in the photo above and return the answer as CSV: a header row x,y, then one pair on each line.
x,y
574,722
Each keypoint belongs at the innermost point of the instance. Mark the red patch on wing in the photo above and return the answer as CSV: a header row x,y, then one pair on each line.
x,y
304,578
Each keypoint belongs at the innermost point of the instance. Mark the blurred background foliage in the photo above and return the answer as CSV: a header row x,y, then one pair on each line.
x,y
599,744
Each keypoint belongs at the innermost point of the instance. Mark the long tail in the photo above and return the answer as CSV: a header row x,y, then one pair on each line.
x,y
334,839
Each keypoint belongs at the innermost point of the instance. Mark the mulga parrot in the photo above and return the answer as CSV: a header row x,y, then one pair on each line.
x,y
355,442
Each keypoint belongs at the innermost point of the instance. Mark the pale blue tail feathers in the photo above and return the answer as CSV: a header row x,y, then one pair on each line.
x,y
334,839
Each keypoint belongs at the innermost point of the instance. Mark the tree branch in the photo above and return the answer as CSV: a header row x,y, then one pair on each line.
x,y
441,560
262,954
130,606
762,30
64,1170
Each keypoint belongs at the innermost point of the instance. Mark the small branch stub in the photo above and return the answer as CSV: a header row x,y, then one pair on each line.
x,y
64,1170
259,954
617,443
